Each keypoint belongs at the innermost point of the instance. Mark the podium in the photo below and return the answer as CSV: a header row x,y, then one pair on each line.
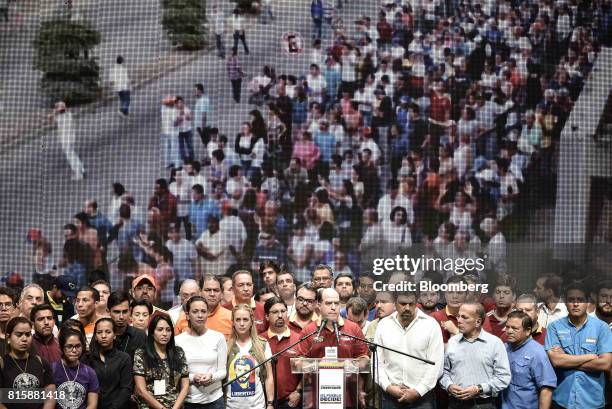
x,y
329,383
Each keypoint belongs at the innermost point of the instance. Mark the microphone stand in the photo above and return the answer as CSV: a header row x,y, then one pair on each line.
x,y
373,346
273,358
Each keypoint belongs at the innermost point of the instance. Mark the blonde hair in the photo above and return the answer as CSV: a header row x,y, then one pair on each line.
x,y
258,345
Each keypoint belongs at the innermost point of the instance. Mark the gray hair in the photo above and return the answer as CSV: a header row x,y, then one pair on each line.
x,y
26,288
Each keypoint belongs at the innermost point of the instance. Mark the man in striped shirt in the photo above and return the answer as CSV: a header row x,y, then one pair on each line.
x,y
476,366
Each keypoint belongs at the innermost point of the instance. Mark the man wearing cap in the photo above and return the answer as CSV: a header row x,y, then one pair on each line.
x,y
144,287
242,283
59,298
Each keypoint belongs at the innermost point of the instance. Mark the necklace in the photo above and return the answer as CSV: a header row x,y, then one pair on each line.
x,y
66,373
71,384
26,365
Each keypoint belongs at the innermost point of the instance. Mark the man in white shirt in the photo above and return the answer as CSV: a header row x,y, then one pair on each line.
x,y
213,247
316,83
67,137
121,85
391,200
184,125
406,380
551,306
202,115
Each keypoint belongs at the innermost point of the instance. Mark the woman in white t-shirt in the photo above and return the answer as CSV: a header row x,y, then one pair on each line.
x,y
206,353
245,351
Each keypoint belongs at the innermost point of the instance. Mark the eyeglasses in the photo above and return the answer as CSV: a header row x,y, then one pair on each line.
x,y
366,286
73,347
305,301
321,279
6,305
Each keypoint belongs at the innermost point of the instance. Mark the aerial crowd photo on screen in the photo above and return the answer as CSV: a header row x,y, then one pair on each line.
x,y
318,204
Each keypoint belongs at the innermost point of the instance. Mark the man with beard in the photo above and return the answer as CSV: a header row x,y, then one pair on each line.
x,y
412,331
345,285
144,287
304,312
279,337
43,340
580,349
603,310
429,301
385,306
128,339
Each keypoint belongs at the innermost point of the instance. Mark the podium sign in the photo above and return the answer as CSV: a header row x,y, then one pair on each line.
x,y
331,388
329,383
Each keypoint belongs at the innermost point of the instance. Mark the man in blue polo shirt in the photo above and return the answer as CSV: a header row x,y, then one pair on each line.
x,y
580,348
533,377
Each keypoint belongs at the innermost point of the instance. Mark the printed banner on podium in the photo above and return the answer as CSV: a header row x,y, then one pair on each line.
x,y
331,388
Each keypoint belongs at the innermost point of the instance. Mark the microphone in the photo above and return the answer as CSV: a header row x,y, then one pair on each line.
x,y
335,324
323,324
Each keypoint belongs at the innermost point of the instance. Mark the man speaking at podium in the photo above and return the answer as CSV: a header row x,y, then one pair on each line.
x,y
328,300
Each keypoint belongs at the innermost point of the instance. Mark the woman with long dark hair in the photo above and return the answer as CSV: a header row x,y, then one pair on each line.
x,y
77,381
245,351
113,367
206,354
161,373
23,370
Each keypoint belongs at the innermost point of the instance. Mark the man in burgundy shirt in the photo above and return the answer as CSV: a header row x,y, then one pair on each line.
x,y
279,337
504,296
242,283
44,341
447,317
328,300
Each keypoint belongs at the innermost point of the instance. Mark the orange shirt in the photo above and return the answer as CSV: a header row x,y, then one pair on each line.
x,y
219,320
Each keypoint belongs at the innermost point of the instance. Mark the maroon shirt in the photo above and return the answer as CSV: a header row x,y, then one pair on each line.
x,y
442,316
348,348
493,325
48,350
287,382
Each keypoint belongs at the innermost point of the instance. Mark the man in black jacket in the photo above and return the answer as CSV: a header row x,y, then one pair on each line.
x,y
129,339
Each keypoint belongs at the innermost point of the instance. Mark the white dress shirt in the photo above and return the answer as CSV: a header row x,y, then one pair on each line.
x,y
422,338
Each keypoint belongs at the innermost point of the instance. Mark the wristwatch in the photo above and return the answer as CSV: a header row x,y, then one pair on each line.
x,y
480,390
270,403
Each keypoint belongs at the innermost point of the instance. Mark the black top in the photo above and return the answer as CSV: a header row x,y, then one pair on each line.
x,y
115,378
131,340
16,375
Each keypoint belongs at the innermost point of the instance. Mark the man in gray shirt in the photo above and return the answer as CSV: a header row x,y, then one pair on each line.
x,y
476,367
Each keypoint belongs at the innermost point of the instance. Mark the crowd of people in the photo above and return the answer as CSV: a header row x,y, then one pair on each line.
x,y
426,129
548,349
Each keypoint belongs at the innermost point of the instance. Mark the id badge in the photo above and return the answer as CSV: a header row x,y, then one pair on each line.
x,y
159,387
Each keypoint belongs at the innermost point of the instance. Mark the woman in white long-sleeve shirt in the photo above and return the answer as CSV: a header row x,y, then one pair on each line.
x,y
206,353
